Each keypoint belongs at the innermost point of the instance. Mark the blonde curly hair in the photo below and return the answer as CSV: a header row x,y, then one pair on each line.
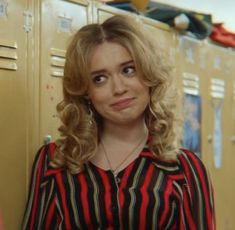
x,y
79,130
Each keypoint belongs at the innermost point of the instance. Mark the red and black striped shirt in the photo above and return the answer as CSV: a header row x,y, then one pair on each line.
x,y
148,194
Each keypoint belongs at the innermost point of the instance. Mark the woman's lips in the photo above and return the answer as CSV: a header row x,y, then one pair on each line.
x,y
123,103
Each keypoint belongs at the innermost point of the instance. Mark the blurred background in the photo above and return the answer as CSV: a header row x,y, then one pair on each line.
x,y
222,11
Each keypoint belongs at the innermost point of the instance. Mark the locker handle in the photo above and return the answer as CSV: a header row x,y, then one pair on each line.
x,y
209,138
47,139
233,139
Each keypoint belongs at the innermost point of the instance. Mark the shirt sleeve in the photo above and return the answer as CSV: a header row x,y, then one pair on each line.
x,y
40,212
200,190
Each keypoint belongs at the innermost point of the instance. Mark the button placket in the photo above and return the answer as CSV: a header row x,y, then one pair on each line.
x,y
115,207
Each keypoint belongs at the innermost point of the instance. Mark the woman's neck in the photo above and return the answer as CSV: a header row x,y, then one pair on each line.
x,y
124,132
120,145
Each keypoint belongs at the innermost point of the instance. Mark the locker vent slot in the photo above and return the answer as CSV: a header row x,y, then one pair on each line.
x,y
217,88
57,72
190,83
8,65
57,62
8,43
58,52
8,55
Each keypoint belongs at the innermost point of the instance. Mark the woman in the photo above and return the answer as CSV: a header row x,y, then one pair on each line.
x,y
117,164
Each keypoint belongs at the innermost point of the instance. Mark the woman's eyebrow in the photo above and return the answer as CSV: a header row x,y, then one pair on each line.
x,y
104,70
98,71
127,62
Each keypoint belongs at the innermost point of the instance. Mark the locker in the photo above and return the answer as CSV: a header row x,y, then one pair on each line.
x,y
59,20
219,148
230,120
14,116
231,57
190,71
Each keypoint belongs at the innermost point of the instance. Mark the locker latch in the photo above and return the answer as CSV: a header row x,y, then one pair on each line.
x,y
47,139
28,21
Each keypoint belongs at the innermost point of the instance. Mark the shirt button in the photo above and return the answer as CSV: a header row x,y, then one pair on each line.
x,y
118,180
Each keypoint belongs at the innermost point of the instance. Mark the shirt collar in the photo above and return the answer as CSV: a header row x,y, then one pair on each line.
x,y
166,165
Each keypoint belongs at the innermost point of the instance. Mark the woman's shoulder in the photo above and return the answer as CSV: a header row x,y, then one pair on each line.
x,y
47,150
183,162
44,154
200,189
186,164
193,169
43,158
189,160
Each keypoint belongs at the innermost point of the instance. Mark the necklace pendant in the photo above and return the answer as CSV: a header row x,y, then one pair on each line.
x,y
116,178
114,173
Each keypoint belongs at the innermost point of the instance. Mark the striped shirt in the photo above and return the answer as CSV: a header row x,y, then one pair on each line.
x,y
148,194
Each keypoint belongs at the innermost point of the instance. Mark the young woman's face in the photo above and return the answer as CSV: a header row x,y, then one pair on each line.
x,y
116,91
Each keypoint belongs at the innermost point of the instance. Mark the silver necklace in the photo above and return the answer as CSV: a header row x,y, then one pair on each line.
x,y
114,170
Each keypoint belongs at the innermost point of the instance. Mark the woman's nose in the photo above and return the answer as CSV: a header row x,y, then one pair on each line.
x,y
119,85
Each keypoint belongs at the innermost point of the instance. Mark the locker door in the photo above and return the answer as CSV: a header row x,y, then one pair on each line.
x,y
13,115
190,71
218,107
230,113
231,74
59,20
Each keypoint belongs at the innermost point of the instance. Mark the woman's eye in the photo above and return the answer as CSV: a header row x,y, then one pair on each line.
x,y
98,79
129,70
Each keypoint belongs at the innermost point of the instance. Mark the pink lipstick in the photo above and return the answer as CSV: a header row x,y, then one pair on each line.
x,y
122,103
